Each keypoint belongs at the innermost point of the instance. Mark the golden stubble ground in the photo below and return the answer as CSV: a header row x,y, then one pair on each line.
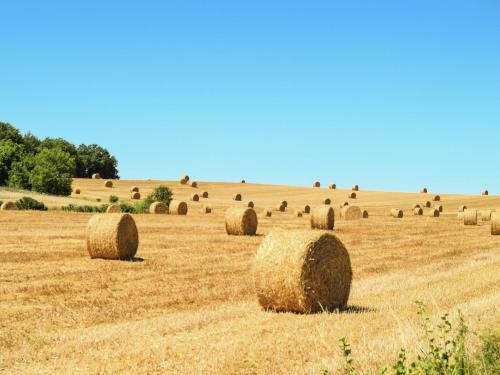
x,y
188,306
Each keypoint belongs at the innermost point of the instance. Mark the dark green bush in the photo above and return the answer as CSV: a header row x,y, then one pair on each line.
x,y
113,199
53,172
87,208
27,203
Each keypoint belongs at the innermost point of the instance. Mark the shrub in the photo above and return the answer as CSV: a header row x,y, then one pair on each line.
x,y
53,172
75,208
160,194
27,203
113,199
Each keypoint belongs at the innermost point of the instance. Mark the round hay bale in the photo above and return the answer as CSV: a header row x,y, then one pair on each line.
x,y
298,213
134,189
485,192
267,212
194,184
434,212
112,236
462,208
322,217
440,208
332,186
423,190
243,181
485,215
327,201
204,194
241,221
344,204
397,213
250,204
77,191
284,203
418,211
352,195
436,198
470,217
96,176
307,209
113,209
428,204
8,206
316,184
108,184
206,209
416,205
135,195
281,208
184,180
351,213
237,197
355,188
177,208
158,208
195,197
365,214
495,223
302,272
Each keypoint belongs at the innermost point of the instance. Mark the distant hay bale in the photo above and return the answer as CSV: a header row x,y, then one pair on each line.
x,y
397,213
241,221
416,205
322,217
77,191
495,223
243,181
112,236
298,213
250,204
204,194
307,209
351,213
284,203
108,184
428,204
194,184
439,208
462,208
418,211
96,176
184,180
281,207
344,204
206,209
352,195
332,186
485,215
302,272
355,188
177,208
436,198
423,190
195,197
485,192
8,206
434,212
470,217
113,209
158,208
365,214
316,184
134,189
327,201
267,212
135,195
237,197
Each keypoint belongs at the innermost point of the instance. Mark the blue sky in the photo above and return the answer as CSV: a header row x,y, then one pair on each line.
x,y
387,94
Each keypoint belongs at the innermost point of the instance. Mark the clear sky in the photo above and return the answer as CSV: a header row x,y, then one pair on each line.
x,y
391,95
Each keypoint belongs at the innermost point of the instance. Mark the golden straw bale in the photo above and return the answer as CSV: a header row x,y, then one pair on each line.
x,y
344,204
250,204
237,197
134,189
8,206
307,209
281,207
267,212
470,217
495,223
332,186
108,184
241,221
434,212
440,208
365,214
322,217
96,176
418,211
352,195
485,192
178,208
436,198
397,213
428,204
462,208
485,215
316,184
112,236
135,195
284,203
243,181
204,194
327,201
113,209
194,184
302,272
355,187
158,208
77,191
184,180
298,213
351,213
206,209
416,205
195,197
423,190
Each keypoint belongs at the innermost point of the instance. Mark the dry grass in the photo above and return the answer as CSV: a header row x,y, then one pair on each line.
x,y
190,306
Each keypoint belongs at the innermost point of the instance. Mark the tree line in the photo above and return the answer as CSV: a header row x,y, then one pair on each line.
x,y
49,165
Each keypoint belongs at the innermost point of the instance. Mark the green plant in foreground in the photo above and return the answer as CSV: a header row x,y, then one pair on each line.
x,y
28,203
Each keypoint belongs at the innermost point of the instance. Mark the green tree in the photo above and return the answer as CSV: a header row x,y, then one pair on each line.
x,y
31,143
19,175
95,159
63,144
8,132
53,172
10,152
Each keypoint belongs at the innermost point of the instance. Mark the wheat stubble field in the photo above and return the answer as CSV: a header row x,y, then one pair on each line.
x,y
187,304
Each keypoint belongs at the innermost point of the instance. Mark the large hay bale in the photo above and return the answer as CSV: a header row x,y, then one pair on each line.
x,y
184,180
204,194
416,205
352,195
355,187
113,209
177,208
194,184
351,213
428,204
423,190
302,272
470,217
158,208
134,189
237,197
241,221
485,192
365,214
77,191
439,207
284,203
397,213
332,186
96,176
495,223
307,209
206,209
316,184
298,213
462,208
250,204
112,236
322,217
418,211
485,215
8,206
195,197
436,198
267,212
281,208
108,184
434,212
327,201
135,195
